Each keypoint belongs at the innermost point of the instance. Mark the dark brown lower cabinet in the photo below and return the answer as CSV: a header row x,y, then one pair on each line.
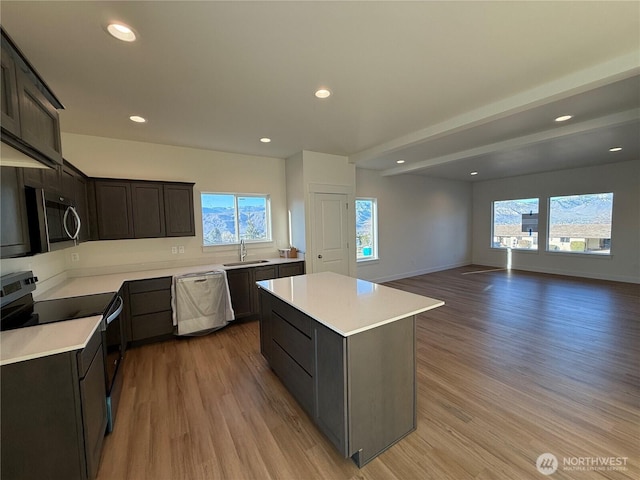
x,y
243,289
291,269
54,415
149,315
360,390
241,283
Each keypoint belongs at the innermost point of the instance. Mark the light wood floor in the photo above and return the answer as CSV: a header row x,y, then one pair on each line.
x,y
513,366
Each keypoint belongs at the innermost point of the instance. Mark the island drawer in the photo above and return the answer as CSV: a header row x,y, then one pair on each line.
x,y
293,341
295,317
293,376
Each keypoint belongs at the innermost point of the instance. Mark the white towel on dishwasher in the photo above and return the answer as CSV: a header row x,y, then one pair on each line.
x,y
201,302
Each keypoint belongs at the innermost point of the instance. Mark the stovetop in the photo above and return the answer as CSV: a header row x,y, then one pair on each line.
x,y
26,313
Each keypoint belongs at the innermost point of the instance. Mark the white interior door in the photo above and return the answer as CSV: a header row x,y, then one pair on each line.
x,y
330,233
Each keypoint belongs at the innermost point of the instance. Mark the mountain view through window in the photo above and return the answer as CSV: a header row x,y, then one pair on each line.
x,y
229,218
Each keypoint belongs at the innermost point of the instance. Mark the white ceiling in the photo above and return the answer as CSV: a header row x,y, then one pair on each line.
x,y
449,87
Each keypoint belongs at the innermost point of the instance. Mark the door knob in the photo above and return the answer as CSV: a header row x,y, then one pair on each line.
x,y
319,256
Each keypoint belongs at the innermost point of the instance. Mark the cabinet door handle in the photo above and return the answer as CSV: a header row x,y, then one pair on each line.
x,y
319,256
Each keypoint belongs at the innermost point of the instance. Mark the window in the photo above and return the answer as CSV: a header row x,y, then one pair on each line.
x,y
515,224
366,229
228,218
581,223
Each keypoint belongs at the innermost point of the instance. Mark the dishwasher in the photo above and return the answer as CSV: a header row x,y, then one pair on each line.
x,y
201,302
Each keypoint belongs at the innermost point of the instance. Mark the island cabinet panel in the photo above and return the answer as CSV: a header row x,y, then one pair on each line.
x,y
359,389
331,386
381,374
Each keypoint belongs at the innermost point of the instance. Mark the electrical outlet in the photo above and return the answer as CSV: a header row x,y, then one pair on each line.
x,y
75,257
174,250
181,249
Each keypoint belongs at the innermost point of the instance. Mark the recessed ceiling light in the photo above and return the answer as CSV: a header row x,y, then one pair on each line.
x,y
137,119
121,32
615,149
265,140
564,118
399,161
323,93
473,173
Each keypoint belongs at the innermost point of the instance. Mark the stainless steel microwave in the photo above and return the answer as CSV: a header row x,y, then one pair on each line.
x,y
54,222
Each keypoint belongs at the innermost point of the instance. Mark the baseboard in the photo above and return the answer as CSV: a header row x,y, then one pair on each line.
x,y
415,273
568,273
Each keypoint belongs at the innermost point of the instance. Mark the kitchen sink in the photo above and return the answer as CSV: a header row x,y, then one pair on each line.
x,y
246,262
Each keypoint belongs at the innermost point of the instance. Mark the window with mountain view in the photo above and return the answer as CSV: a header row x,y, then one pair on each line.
x,y
515,224
581,223
366,229
228,218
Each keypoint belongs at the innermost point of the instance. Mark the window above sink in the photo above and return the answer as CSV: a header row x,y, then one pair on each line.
x,y
228,218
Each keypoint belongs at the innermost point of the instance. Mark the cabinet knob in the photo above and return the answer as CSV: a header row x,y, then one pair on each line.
x,y
319,256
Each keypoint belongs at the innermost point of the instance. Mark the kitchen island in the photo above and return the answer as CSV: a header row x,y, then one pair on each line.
x,y
345,349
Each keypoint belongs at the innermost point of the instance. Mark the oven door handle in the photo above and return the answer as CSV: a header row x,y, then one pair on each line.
x,y
113,315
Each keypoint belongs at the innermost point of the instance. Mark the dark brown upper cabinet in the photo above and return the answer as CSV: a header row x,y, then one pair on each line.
x,y
148,210
114,212
10,118
179,210
142,209
39,120
30,121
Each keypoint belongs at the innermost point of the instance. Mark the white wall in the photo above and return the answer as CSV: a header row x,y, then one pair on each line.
x,y
211,171
296,201
623,179
326,173
308,173
424,224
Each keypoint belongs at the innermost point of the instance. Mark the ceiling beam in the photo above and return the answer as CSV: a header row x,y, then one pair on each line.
x,y
596,76
620,118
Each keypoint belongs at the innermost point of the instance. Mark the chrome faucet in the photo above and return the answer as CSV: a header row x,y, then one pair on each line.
x,y
243,250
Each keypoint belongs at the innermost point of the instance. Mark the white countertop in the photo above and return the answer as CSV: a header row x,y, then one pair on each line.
x,y
90,285
347,305
42,340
